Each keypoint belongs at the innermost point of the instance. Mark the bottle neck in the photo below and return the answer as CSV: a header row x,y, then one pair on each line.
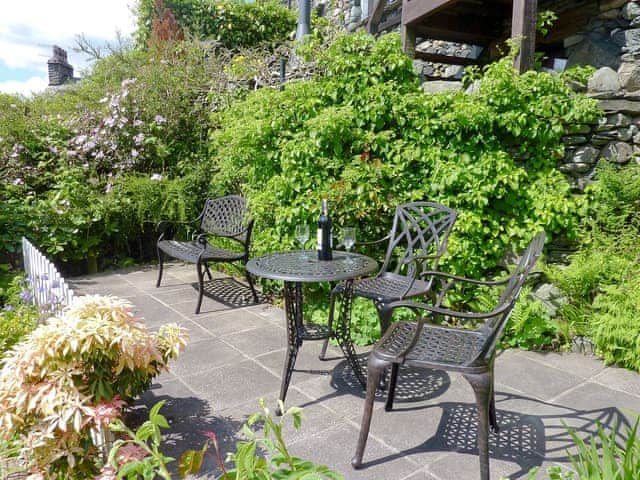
x,y
325,210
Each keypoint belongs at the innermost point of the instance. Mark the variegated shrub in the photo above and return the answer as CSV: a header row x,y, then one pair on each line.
x,y
54,383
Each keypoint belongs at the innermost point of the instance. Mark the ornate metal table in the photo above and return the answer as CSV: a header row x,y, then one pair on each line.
x,y
297,267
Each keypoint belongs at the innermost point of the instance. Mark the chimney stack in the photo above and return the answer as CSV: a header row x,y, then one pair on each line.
x,y
59,68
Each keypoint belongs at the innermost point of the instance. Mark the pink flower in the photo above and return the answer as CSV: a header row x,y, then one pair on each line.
x,y
130,453
106,412
107,473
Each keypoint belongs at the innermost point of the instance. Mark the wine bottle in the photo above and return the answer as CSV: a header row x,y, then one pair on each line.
x,y
325,241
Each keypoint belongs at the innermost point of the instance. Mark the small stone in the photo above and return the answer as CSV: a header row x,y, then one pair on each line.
x,y
609,14
578,129
630,11
625,134
635,22
609,4
474,88
573,40
617,152
629,76
627,38
605,79
618,120
586,154
574,140
600,141
575,169
625,106
636,138
439,86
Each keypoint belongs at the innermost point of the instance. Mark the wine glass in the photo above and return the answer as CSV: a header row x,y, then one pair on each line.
x,y
348,239
302,235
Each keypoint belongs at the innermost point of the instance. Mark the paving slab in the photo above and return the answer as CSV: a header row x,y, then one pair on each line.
x,y
235,357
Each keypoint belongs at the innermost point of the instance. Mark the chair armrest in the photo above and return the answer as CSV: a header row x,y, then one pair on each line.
x,y
375,242
456,278
437,310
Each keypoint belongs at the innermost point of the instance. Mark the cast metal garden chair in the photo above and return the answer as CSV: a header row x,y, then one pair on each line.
x,y
417,240
471,352
225,217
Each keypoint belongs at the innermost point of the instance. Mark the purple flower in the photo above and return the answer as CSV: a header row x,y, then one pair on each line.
x,y
137,123
134,153
25,296
139,138
99,155
8,308
159,119
18,181
53,150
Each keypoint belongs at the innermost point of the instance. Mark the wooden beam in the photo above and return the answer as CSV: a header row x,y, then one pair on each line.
x,y
408,36
523,28
390,21
448,59
376,15
415,10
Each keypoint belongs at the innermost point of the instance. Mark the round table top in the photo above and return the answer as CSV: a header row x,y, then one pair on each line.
x,y
304,266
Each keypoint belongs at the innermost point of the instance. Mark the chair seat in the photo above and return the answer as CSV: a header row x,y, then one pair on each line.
x,y
389,286
192,251
436,346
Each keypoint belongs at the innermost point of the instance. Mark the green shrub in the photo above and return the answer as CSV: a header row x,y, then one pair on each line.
x,y
233,23
17,317
363,135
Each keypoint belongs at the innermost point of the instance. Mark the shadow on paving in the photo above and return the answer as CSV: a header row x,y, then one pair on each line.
x,y
229,292
524,439
189,419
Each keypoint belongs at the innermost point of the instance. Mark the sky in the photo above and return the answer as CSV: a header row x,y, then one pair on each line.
x,y
29,29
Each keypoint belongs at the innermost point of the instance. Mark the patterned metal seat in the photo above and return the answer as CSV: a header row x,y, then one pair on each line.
x,y
468,351
417,240
221,217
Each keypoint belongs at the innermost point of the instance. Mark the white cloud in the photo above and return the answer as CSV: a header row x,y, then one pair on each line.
x,y
26,88
28,28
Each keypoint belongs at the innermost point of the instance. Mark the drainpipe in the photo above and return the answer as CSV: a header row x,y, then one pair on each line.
x,y
304,19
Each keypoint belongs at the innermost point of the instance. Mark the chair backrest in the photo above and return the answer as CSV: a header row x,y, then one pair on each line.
x,y
494,327
419,229
226,217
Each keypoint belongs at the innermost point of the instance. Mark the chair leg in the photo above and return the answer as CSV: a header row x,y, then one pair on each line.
x,y
200,286
384,316
251,286
392,386
375,369
493,422
289,363
481,384
206,269
325,343
160,265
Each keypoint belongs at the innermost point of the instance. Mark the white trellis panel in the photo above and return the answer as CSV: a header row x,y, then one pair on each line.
x,y
50,291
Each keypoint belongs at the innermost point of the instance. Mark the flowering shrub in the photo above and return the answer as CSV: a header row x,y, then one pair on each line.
x,y
54,384
17,316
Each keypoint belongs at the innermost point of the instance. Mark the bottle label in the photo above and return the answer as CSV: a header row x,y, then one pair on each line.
x,y
319,240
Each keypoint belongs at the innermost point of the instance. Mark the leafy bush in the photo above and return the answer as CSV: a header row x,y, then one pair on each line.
x,y
52,383
17,317
601,281
233,23
364,136
143,458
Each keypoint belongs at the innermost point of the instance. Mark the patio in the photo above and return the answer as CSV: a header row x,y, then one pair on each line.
x,y
235,356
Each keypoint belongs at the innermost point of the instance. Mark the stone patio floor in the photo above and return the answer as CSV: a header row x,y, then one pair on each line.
x,y
236,354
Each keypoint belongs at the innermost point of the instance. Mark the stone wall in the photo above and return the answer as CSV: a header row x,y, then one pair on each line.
x,y
616,86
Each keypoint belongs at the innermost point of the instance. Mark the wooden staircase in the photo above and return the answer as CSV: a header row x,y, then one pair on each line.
x,y
477,22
